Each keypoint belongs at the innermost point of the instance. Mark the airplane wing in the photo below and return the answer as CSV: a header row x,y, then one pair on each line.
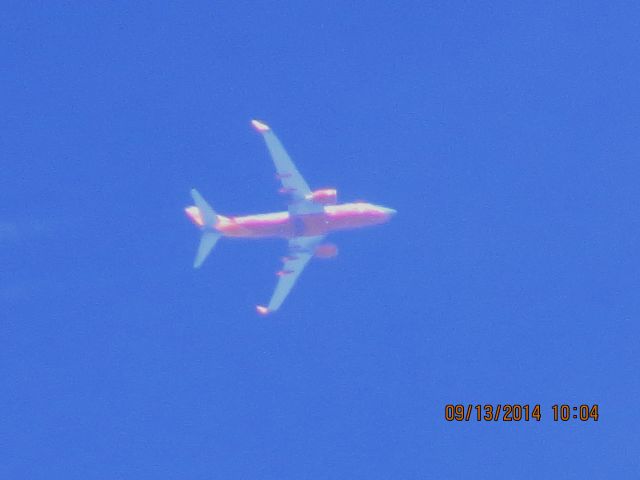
x,y
292,181
301,250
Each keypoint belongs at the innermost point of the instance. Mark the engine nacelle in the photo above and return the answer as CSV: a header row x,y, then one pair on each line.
x,y
326,196
326,250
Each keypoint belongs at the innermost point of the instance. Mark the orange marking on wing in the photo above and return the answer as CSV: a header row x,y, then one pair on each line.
x,y
259,126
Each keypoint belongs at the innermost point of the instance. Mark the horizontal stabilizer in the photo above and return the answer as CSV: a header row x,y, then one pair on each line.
x,y
207,242
207,213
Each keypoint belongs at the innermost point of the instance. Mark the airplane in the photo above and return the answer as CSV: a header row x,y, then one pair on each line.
x,y
311,216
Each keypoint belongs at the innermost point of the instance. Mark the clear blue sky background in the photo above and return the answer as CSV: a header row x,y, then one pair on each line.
x,y
506,134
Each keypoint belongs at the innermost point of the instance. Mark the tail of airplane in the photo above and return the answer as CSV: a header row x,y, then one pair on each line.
x,y
206,218
207,242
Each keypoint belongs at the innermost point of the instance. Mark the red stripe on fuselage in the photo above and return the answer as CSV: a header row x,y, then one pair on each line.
x,y
282,224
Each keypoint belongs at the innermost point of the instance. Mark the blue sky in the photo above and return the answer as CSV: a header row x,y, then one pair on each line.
x,y
506,135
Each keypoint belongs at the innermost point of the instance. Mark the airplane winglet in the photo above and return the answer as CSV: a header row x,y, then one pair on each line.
x,y
259,126
262,310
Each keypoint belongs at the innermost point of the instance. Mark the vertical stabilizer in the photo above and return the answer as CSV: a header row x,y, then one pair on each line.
x,y
206,218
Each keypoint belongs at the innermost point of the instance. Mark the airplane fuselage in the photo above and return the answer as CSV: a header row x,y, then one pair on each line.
x,y
346,216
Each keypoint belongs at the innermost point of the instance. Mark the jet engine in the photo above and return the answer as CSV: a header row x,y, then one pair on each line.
x,y
326,250
326,196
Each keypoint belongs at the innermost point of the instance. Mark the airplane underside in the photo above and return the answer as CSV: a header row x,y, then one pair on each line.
x,y
311,216
291,226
